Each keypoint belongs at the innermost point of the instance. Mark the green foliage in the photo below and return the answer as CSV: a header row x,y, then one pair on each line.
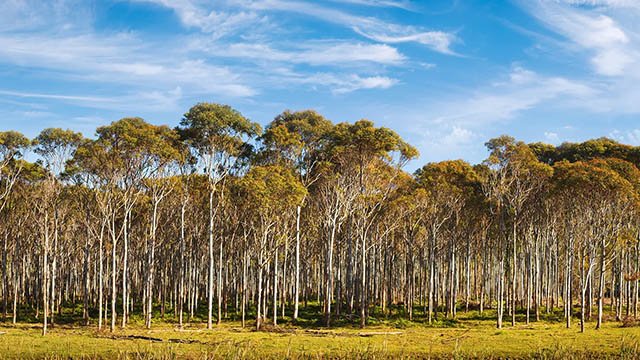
x,y
452,175
12,143
591,149
270,189
590,180
126,151
362,142
214,128
297,138
56,146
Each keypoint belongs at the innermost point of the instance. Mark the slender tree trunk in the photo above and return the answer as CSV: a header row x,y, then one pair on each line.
x,y
5,277
85,280
514,271
601,285
113,274
220,284
296,298
500,294
275,288
211,266
329,274
363,283
100,276
182,265
45,275
125,259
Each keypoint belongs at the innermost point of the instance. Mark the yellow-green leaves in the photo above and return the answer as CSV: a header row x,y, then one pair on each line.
x,y
213,128
297,138
12,143
271,189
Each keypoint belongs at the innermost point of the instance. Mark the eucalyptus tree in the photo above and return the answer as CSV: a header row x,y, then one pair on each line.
x,y
163,157
12,148
299,140
185,168
218,134
316,213
125,153
142,150
360,151
515,175
55,146
450,186
402,218
269,193
620,209
335,195
573,193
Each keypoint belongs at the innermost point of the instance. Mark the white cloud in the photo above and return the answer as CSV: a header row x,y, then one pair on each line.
x,y
457,136
437,40
504,100
90,67
552,137
119,59
217,23
368,27
631,137
36,14
313,53
343,83
606,35
356,82
379,3
438,142
613,51
614,3
134,101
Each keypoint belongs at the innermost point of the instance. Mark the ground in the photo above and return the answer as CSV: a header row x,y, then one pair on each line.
x,y
470,336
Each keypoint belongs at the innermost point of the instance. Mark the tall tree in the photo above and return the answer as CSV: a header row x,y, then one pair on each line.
x,y
298,139
218,134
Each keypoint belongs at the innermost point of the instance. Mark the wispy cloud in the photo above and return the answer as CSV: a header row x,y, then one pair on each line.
x,y
338,83
522,90
605,34
631,136
216,22
458,126
35,14
402,4
613,50
369,27
121,59
551,137
134,101
311,52
437,40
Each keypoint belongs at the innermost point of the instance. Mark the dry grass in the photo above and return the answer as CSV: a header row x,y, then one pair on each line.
x,y
472,337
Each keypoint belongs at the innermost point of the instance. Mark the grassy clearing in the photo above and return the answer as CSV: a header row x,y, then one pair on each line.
x,y
470,336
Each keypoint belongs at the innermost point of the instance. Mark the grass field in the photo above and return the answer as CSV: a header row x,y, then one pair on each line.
x,y
470,336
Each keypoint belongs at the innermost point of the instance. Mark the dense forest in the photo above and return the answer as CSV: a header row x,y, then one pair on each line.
x,y
220,220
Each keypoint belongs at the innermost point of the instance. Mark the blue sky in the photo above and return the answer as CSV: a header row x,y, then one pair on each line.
x,y
445,74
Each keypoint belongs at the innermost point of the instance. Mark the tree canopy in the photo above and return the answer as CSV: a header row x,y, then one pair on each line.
x,y
220,219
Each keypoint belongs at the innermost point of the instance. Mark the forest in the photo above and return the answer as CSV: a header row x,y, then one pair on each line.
x,y
219,220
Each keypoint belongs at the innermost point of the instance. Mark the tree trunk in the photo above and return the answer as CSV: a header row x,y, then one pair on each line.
x,y
601,285
45,274
211,266
296,298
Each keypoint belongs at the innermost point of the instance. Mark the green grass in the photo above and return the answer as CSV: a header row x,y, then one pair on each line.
x,y
471,335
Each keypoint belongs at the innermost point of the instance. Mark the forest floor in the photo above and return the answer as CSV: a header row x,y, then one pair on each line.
x,y
469,336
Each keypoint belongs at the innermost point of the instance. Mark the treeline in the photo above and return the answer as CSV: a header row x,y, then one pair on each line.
x,y
223,216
